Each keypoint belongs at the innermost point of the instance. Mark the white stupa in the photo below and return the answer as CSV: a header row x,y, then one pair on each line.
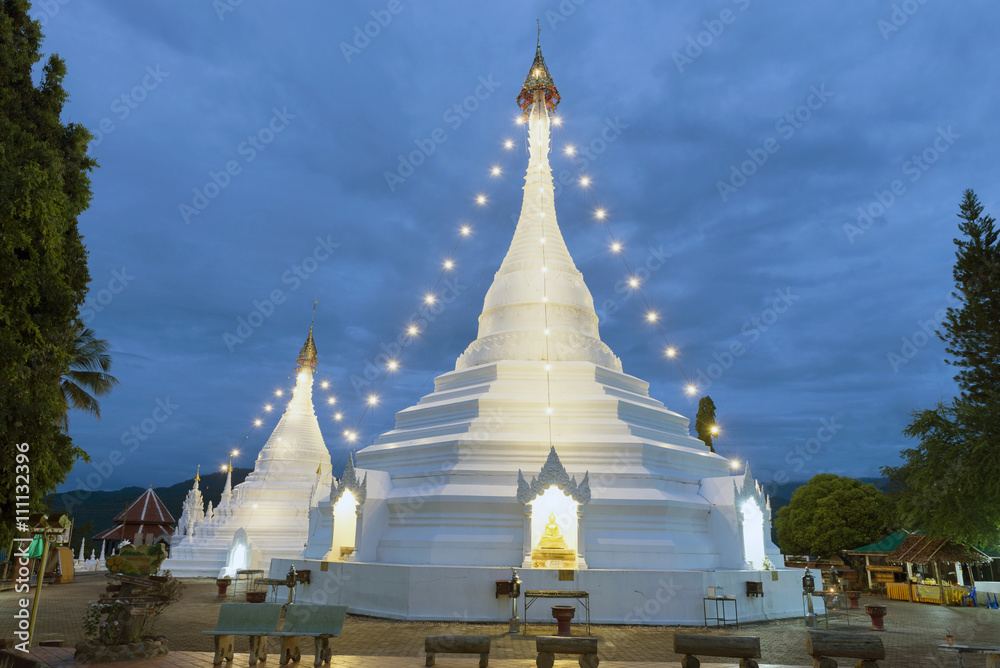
x,y
539,452
192,511
267,515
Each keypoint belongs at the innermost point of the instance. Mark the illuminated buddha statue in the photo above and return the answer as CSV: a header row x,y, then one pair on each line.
x,y
552,551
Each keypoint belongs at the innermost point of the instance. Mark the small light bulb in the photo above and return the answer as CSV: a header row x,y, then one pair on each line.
x,y
546,332
548,367
258,422
338,416
600,214
412,331
671,352
481,199
651,316
393,365
234,453
331,400
225,467
734,464
429,299
496,171
585,182
544,269
278,393
268,408
372,400
508,144
538,72
545,299
549,410
634,282
520,120
466,231
448,264
570,150
557,120
714,430
616,247
691,389
543,240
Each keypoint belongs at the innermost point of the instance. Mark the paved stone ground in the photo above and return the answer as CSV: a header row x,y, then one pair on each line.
x,y
913,630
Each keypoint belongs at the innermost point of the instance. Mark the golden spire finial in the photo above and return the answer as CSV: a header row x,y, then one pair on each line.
x,y
197,476
538,78
308,353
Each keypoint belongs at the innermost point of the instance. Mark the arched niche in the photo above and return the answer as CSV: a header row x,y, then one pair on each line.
x,y
553,504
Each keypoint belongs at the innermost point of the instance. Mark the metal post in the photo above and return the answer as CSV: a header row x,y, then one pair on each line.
x,y
38,586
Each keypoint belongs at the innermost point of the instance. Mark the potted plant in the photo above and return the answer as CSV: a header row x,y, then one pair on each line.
x,y
223,584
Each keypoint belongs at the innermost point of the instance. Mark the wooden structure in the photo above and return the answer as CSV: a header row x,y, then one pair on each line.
x,y
319,622
932,552
254,620
458,645
145,521
992,653
822,646
548,646
878,571
744,648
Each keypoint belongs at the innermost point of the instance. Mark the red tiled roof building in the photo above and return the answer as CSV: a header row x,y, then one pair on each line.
x,y
145,515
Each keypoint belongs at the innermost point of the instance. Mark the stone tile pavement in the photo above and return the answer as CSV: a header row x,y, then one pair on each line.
x,y
913,632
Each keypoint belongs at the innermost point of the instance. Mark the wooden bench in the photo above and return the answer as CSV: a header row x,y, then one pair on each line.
x,y
458,645
744,648
549,646
319,622
254,620
821,645
992,653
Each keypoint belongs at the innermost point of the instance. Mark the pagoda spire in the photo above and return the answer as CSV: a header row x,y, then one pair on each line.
x,y
539,307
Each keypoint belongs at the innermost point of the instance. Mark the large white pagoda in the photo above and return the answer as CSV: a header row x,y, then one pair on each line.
x,y
267,515
539,452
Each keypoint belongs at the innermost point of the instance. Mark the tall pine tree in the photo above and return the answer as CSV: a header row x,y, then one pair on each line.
x,y
949,484
704,421
44,186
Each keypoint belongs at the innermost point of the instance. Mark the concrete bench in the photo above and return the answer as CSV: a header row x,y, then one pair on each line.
x,y
319,622
992,653
548,646
254,620
822,645
458,645
744,648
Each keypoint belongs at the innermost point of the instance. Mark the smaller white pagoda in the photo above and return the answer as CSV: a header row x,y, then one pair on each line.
x,y
267,515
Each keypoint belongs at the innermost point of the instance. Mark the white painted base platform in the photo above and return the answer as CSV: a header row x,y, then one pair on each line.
x,y
445,593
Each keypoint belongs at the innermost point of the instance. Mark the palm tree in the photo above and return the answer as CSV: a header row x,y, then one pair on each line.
x,y
87,377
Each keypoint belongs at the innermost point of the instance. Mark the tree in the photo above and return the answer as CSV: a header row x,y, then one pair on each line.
x,y
704,421
44,186
949,484
832,513
87,377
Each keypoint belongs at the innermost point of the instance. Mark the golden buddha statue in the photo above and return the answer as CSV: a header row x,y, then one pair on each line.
x,y
552,551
